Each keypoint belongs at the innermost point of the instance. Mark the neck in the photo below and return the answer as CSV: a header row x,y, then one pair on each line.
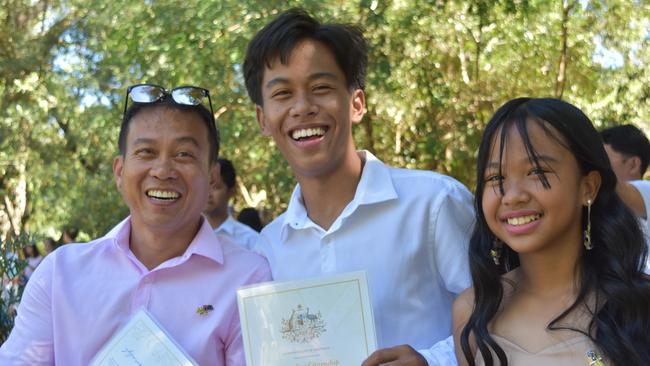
x,y
153,247
632,198
216,218
325,196
551,273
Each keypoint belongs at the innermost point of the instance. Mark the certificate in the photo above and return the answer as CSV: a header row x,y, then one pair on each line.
x,y
316,322
142,342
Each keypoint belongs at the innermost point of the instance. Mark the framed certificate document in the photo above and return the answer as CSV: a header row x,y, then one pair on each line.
x,y
324,321
142,341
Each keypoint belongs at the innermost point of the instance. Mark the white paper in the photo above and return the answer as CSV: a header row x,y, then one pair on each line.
x,y
317,322
142,342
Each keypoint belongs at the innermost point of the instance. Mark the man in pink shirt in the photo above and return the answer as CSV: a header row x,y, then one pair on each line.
x,y
164,257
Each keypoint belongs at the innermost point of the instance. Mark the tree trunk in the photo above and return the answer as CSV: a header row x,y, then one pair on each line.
x,y
560,80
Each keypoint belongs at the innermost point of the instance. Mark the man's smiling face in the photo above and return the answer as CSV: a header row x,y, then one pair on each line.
x,y
165,173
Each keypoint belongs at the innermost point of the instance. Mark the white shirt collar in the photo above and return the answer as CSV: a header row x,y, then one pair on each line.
x,y
374,186
228,226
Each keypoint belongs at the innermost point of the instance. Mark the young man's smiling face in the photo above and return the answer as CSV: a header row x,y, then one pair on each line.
x,y
309,110
165,173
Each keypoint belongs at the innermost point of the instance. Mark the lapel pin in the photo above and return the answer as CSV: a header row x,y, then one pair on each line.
x,y
204,309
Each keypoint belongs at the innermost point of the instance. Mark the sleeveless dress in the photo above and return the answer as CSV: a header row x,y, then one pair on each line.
x,y
576,351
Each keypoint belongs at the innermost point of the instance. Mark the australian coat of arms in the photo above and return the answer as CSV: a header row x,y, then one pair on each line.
x,y
302,326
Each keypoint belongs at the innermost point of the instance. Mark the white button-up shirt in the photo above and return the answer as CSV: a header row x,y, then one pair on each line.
x,y
239,233
409,230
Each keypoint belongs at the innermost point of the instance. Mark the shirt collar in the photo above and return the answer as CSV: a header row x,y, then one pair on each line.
x,y
375,185
205,243
228,226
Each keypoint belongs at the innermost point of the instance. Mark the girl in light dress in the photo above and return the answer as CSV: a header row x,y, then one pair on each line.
x,y
556,258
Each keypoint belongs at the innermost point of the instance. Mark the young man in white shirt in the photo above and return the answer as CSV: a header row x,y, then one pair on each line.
x,y
216,210
407,229
628,150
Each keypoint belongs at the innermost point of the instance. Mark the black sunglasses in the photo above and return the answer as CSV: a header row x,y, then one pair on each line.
x,y
151,93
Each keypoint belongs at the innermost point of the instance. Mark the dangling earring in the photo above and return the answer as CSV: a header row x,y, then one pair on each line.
x,y
587,233
495,252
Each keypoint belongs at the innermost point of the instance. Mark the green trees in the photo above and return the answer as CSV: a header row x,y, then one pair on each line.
x,y
438,69
11,282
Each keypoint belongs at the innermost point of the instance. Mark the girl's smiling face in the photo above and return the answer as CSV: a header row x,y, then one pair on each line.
x,y
534,193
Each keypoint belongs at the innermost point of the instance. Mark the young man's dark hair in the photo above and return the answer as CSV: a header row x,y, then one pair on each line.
x,y
201,110
228,174
628,140
281,36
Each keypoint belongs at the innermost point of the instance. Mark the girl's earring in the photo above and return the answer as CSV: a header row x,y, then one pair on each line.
x,y
495,252
587,233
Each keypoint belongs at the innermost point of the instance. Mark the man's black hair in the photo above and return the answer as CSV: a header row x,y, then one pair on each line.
x,y
250,217
204,113
280,37
227,172
630,141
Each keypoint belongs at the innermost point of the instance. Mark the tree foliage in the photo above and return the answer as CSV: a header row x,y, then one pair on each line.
x,y
437,71
12,282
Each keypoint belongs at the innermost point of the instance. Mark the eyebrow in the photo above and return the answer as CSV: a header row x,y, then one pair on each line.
x,y
189,139
312,77
142,141
184,139
541,159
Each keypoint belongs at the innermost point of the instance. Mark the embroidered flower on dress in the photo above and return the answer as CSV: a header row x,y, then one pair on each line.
x,y
594,358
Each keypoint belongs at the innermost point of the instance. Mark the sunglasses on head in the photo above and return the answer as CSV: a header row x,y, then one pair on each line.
x,y
151,93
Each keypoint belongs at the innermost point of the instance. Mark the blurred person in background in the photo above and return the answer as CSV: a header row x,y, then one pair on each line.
x,y
33,258
217,209
250,217
628,150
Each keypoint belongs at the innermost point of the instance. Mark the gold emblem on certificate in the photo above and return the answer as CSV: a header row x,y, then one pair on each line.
x,y
302,326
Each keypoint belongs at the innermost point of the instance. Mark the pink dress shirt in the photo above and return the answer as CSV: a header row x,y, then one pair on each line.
x,y
81,294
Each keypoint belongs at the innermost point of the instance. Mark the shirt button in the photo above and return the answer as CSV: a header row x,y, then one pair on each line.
x,y
147,280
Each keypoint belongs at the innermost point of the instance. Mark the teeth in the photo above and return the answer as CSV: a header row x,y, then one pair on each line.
x,y
308,132
522,220
165,195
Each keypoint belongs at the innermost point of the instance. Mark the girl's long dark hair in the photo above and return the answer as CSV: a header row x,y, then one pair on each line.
x,y
612,271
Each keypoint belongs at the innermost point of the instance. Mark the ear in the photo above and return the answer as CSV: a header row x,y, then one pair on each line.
x,y
215,174
118,167
634,167
232,192
590,186
261,120
358,105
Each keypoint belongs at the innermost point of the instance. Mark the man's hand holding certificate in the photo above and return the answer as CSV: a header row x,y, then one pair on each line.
x,y
324,321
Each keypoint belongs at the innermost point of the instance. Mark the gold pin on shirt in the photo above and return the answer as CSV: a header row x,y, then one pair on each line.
x,y
204,309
